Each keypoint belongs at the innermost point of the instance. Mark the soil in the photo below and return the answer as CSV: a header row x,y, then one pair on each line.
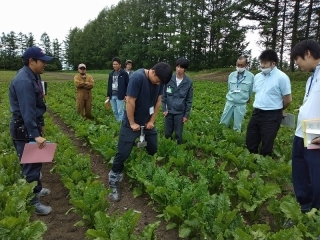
x,y
61,226
215,77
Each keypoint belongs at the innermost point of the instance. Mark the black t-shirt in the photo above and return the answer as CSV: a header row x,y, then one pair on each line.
x,y
115,78
146,95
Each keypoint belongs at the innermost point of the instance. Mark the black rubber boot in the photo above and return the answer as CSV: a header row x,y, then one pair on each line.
x,y
114,183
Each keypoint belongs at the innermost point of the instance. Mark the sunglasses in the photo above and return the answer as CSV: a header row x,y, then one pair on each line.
x,y
82,68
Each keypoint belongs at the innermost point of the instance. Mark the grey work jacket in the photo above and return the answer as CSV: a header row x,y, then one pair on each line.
x,y
178,99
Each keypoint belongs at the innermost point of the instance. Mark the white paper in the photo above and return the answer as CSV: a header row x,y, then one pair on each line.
x,y
43,87
289,120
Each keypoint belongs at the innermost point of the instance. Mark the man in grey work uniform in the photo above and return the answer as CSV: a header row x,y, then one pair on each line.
x,y
27,106
177,100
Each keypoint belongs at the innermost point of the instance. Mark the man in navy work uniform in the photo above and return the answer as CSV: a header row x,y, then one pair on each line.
x,y
272,95
143,102
177,100
27,123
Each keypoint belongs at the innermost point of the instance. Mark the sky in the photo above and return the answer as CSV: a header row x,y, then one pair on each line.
x,y
57,17
252,37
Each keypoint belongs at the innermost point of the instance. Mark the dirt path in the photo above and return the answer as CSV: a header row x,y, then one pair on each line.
x,y
60,225
148,215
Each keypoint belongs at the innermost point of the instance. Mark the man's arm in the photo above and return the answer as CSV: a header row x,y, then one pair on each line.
x,y
130,107
78,82
109,88
229,79
150,124
89,84
287,99
164,100
251,86
189,99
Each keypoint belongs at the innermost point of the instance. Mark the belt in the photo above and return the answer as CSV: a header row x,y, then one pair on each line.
x,y
261,110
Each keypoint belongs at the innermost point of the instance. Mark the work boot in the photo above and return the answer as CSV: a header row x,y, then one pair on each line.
x,y
114,183
40,209
115,194
44,192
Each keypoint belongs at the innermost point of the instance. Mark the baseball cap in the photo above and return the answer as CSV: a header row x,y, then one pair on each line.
x,y
35,52
128,61
82,65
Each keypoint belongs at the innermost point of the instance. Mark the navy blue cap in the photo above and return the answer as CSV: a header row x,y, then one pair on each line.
x,y
35,52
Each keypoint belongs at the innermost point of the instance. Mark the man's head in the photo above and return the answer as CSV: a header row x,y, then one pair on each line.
x,y
268,60
306,54
128,64
82,68
160,73
116,63
241,64
34,58
182,65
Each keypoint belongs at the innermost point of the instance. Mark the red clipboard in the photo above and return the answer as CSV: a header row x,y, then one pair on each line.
x,y
33,154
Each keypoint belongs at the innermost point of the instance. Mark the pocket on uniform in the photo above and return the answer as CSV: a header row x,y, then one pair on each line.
x,y
245,87
183,93
20,133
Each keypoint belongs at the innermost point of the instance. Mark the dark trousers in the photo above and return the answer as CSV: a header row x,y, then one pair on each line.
x,y
263,128
126,142
306,175
31,170
173,122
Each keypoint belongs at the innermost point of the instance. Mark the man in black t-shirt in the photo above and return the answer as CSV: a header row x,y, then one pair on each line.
x,y
143,102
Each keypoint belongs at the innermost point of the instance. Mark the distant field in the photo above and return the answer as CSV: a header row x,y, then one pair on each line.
x,y
217,75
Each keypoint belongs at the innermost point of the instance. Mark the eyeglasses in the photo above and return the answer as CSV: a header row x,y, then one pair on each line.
x,y
82,68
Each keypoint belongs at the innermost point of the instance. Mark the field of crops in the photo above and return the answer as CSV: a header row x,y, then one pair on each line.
x,y
209,187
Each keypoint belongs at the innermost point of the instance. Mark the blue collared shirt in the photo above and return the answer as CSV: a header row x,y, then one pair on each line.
x,y
270,88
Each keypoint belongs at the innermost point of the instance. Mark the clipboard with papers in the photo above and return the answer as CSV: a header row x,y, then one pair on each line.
x,y
33,154
289,120
311,130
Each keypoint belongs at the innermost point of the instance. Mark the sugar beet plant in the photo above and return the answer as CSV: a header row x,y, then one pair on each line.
x,y
209,187
87,194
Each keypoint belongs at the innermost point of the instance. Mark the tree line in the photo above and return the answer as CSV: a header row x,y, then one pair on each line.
x,y
13,45
210,33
